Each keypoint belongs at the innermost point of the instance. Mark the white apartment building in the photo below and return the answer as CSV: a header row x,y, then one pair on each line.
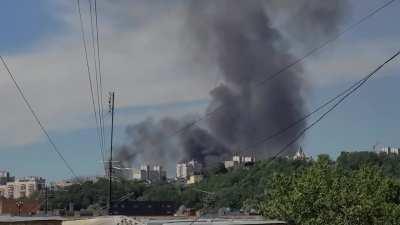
x,y
390,150
239,160
150,173
186,169
23,187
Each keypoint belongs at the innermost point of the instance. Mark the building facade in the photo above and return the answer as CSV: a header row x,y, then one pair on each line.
x,y
16,207
23,187
390,150
186,169
239,160
195,179
150,173
59,185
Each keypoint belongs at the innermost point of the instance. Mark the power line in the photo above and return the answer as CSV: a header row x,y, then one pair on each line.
x,y
96,69
324,44
99,65
290,65
86,58
355,88
35,116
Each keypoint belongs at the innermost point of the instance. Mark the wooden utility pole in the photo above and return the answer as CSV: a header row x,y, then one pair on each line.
x,y
46,199
111,106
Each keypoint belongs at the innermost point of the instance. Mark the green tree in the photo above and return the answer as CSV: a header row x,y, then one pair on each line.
x,y
325,194
357,160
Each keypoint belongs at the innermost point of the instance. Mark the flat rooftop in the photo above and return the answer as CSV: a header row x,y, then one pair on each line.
x,y
11,219
216,221
114,220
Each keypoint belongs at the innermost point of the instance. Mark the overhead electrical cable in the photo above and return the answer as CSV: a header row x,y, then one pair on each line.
x,y
350,92
86,58
36,117
100,68
96,70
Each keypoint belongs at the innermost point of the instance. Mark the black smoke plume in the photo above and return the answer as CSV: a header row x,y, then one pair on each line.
x,y
241,39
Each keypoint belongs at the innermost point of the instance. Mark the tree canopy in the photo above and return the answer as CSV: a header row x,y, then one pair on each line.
x,y
327,194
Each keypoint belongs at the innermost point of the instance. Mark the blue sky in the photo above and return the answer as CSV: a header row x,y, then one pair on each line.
x,y
24,22
36,33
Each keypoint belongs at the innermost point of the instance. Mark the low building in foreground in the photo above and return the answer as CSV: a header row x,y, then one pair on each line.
x,y
220,221
144,208
19,207
7,220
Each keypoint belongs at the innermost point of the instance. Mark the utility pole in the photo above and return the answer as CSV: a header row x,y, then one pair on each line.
x,y
46,197
19,206
111,108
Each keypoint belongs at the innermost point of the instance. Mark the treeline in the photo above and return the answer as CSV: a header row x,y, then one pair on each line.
x,y
229,188
291,190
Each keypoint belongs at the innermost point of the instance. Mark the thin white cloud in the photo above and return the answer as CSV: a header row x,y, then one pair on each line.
x,y
348,60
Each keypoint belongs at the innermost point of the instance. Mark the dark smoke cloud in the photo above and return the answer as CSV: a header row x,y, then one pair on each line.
x,y
150,142
153,142
240,38
199,144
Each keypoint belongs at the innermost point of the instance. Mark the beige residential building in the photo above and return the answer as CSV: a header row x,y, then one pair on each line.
x,y
23,187
186,169
195,179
